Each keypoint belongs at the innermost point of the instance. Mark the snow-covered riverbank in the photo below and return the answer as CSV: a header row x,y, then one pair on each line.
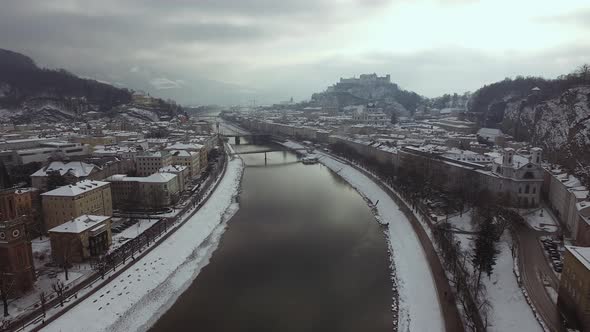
x,y
135,300
419,309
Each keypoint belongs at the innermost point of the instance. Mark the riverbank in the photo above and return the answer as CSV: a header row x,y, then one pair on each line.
x,y
135,299
418,310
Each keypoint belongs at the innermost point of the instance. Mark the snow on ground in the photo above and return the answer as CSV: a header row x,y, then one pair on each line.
x,y
462,222
541,220
134,300
132,232
511,312
419,309
46,276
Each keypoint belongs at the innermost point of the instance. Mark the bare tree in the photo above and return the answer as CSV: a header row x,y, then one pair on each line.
x,y
67,254
7,282
43,301
59,287
584,72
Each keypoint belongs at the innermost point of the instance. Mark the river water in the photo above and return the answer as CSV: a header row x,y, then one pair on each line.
x,y
303,253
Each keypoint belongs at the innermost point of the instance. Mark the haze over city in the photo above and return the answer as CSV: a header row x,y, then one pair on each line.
x,y
295,165
234,51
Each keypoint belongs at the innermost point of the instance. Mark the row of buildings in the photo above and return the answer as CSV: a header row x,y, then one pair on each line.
x,y
457,156
73,194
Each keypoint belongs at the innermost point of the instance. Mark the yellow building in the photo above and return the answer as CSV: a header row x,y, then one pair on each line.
x,y
190,159
80,238
574,287
71,201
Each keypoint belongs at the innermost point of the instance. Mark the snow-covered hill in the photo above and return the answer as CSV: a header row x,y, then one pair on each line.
x,y
560,125
29,94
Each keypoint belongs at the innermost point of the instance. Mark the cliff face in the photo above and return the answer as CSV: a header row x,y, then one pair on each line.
x,y
560,125
30,94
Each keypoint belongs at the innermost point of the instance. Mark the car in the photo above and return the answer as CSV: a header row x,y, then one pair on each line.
x,y
558,269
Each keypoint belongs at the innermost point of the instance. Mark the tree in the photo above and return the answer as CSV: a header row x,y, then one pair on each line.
x,y
7,282
23,173
484,253
43,301
5,181
55,180
584,72
59,287
393,118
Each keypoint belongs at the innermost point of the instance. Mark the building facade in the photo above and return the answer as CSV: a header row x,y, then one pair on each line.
x,y
71,201
149,163
80,238
157,191
16,257
574,286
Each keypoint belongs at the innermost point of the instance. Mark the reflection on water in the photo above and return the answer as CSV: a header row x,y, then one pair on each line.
x,y
303,253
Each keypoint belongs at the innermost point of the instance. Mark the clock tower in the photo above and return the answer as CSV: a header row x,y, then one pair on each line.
x,y
16,255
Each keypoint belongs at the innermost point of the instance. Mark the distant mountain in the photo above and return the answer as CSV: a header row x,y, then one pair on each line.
x,y
553,114
32,94
369,88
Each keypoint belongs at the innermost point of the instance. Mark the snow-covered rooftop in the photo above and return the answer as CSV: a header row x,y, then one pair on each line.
x,y
582,254
154,178
80,224
76,189
184,146
75,168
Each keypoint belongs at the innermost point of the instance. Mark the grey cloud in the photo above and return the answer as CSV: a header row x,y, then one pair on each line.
x,y
581,18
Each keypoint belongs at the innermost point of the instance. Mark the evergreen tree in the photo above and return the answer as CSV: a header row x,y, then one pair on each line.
x,y
55,180
485,252
393,118
4,178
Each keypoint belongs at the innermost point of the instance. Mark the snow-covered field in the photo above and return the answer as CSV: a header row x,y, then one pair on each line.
x,y
137,298
419,309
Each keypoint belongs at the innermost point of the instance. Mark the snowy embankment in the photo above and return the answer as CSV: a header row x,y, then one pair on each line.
x,y
134,300
419,308
510,310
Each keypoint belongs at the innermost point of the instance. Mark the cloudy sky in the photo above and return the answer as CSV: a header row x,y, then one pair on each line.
x,y
233,51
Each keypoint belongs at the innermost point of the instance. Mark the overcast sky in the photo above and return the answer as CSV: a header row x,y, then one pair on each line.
x,y
232,51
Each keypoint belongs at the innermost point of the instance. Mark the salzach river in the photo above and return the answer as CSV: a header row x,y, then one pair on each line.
x,y
303,253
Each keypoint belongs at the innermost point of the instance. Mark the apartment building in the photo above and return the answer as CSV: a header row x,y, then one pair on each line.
x,y
156,191
574,286
71,201
80,238
150,162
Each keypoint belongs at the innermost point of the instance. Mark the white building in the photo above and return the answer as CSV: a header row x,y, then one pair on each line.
x,y
156,191
519,176
150,162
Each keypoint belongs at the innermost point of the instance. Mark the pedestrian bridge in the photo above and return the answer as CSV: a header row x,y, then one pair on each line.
x,y
251,138
266,151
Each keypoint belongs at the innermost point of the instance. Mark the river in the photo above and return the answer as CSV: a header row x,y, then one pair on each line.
x,y
303,253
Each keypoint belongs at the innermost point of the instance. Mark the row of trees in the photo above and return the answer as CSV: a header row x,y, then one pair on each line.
x,y
418,181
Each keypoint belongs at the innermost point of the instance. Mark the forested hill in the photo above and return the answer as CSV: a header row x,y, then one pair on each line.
x,y
369,88
29,93
551,113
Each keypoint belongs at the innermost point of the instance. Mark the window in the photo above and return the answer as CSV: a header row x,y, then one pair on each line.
x,y
526,189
